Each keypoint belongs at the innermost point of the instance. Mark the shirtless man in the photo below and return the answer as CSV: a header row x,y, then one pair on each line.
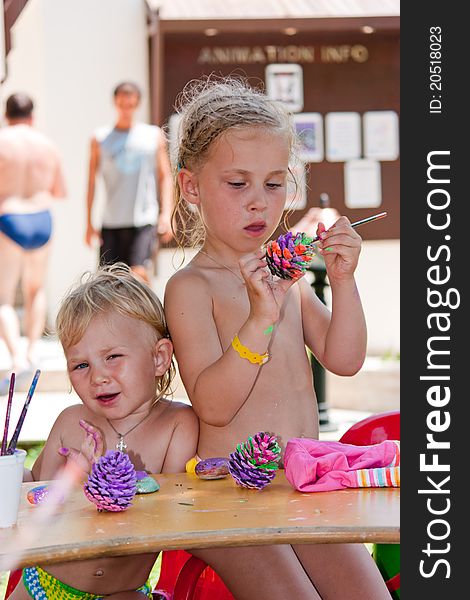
x,y
31,179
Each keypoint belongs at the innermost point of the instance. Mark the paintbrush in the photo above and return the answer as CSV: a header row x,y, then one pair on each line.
x,y
358,223
7,416
19,425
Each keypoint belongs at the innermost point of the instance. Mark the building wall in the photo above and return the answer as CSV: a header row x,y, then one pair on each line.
x,y
69,55
342,71
378,281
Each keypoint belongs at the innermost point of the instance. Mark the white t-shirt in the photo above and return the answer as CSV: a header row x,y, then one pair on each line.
x,y
128,163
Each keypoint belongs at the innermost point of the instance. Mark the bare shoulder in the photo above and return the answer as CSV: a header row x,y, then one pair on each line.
x,y
190,277
190,274
67,421
71,413
179,419
178,412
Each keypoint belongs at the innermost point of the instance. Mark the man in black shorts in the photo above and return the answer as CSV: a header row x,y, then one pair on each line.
x,y
133,160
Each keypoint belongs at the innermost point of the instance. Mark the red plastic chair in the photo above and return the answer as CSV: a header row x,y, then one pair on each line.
x,y
197,581
373,430
172,563
185,577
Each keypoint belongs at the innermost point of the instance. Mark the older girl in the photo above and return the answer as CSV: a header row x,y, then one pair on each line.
x,y
240,335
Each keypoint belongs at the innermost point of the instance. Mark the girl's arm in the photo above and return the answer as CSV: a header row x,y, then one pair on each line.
x,y
338,341
49,461
183,442
218,381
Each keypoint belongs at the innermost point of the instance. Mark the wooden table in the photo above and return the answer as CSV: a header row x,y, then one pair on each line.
x,y
191,513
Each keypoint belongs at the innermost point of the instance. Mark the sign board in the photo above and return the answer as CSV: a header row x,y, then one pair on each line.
x,y
381,134
284,83
362,184
309,128
343,136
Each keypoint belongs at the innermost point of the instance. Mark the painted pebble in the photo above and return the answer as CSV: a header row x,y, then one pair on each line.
x,y
39,494
145,483
212,468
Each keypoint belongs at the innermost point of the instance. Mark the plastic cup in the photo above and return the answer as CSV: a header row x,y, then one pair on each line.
x,y
11,478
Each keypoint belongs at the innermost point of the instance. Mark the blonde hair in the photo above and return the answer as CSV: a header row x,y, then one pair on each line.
x,y
209,107
112,288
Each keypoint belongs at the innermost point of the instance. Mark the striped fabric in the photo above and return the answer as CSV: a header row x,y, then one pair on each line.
x,y
382,476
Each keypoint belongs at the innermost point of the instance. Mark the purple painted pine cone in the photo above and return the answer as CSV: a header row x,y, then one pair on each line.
x,y
255,462
112,482
288,256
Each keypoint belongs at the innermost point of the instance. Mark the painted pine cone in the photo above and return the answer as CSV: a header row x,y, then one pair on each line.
x,y
255,462
289,255
112,482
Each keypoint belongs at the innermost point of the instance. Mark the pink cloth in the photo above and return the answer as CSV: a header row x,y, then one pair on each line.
x,y
320,466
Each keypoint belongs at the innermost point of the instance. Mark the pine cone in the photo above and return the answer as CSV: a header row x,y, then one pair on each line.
x,y
111,484
255,462
289,255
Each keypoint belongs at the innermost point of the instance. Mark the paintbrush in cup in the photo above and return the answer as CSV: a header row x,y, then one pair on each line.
x,y
19,425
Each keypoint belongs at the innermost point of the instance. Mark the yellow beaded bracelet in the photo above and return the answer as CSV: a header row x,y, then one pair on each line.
x,y
244,352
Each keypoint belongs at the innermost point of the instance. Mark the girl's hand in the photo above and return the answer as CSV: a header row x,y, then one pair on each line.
x,y
340,247
91,450
266,294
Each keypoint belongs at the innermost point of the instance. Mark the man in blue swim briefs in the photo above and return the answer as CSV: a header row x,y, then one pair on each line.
x,y
31,179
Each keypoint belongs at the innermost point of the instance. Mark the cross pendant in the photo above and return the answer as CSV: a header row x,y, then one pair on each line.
x,y
121,445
